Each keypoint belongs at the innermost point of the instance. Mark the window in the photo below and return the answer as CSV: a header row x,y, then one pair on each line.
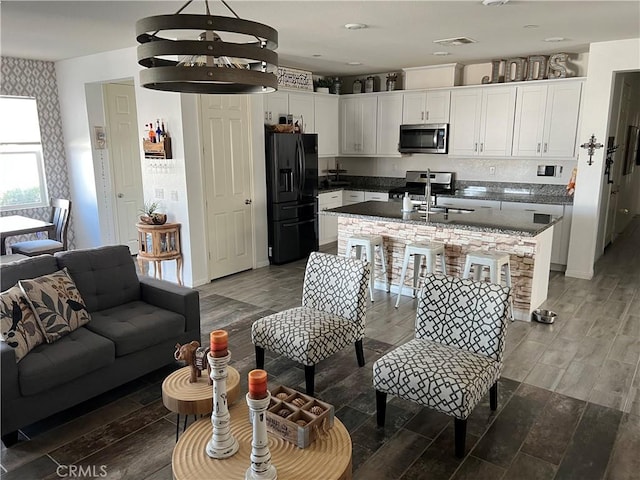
x,y
22,179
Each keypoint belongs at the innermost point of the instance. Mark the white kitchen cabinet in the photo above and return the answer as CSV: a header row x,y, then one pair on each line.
x,y
328,224
426,107
326,114
561,230
470,203
388,123
276,104
546,120
358,116
482,121
301,106
377,196
349,197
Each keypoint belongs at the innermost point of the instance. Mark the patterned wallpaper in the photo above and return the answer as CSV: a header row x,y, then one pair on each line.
x,y
36,78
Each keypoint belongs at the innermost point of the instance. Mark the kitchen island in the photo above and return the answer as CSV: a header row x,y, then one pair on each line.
x,y
526,236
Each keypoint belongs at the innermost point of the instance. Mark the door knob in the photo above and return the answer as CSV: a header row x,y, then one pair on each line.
x,y
247,201
121,195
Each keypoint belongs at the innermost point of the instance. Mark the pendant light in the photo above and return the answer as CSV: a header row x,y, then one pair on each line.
x,y
245,62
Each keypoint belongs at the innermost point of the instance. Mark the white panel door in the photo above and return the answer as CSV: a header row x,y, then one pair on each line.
x,y
227,160
124,154
496,126
529,120
561,119
326,125
388,124
465,122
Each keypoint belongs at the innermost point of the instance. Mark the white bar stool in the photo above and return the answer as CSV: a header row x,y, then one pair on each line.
x,y
496,262
370,243
428,250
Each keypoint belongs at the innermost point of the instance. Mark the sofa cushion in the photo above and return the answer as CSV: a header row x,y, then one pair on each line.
x,y
105,276
18,324
57,304
33,267
74,355
137,325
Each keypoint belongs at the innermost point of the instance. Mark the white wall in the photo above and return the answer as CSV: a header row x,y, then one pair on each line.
x,y
86,166
506,170
605,58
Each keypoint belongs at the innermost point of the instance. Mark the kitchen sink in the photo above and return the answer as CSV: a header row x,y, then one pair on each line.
x,y
445,210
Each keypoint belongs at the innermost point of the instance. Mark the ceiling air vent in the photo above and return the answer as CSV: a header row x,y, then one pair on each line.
x,y
454,42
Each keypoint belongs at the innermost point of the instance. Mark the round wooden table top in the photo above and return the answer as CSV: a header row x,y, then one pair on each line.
x,y
328,458
180,396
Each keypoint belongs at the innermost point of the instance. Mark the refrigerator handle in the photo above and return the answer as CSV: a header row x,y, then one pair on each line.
x,y
301,163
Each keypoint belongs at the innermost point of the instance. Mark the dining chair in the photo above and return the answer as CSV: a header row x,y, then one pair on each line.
x,y
456,355
60,210
332,315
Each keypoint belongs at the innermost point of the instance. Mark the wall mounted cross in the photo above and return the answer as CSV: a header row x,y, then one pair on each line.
x,y
591,148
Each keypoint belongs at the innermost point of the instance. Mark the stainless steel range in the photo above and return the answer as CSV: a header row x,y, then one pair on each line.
x,y
416,185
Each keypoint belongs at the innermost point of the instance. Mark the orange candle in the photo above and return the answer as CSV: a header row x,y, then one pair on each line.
x,y
257,384
219,342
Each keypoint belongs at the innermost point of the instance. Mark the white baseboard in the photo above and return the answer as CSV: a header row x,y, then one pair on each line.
x,y
578,274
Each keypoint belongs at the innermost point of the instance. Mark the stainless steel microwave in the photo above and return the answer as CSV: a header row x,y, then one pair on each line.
x,y
424,138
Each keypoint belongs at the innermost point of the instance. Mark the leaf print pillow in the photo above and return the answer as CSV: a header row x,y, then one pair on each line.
x,y
18,325
57,304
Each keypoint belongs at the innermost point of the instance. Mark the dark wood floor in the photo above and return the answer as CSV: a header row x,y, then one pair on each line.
x,y
537,433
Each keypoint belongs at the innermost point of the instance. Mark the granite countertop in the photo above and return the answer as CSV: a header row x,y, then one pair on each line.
x,y
517,193
527,224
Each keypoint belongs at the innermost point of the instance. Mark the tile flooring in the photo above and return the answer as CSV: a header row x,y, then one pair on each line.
x,y
569,406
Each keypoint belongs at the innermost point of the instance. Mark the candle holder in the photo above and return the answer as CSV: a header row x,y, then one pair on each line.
x,y
222,443
261,468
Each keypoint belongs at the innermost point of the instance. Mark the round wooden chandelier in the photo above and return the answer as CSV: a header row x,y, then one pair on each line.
x,y
207,64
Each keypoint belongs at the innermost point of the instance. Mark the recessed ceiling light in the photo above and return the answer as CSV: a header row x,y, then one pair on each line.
x,y
441,54
316,55
555,39
355,26
354,64
531,26
494,3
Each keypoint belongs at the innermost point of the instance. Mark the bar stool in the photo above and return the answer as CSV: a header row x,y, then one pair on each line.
x,y
428,250
496,262
370,243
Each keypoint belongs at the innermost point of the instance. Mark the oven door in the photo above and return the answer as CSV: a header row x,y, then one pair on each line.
x,y
429,138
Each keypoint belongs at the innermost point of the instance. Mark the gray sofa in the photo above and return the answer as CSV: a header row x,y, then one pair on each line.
x,y
135,324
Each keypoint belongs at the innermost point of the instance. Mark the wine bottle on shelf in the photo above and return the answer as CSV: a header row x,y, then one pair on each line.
x,y
152,134
164,132
159,134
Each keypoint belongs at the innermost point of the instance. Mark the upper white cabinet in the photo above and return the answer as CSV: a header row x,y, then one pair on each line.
x,y
482,121
276,104
388,123
426,107
546,121
326,124
358,116
301,106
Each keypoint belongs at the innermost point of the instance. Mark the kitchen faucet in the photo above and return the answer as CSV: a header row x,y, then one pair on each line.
x,y
427,191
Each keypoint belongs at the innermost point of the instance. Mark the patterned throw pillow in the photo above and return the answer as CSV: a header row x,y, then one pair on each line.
x,y
18,324
57,304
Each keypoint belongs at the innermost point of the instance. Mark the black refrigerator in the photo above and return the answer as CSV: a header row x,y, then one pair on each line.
x,y
292,190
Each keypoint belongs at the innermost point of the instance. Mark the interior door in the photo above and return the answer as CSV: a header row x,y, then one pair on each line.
x,y
124,154
616,168
226,138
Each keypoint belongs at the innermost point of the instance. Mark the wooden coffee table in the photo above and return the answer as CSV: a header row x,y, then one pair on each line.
x,y
328,458
185,398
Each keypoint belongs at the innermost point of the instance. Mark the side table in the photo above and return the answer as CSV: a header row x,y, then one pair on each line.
x,y
328,458
185,398
157,243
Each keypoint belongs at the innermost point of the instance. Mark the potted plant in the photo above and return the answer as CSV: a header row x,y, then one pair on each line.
x,y
150,214
322,84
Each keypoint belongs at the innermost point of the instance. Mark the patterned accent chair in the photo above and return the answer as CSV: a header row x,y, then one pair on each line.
x,y
456,356
332,315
